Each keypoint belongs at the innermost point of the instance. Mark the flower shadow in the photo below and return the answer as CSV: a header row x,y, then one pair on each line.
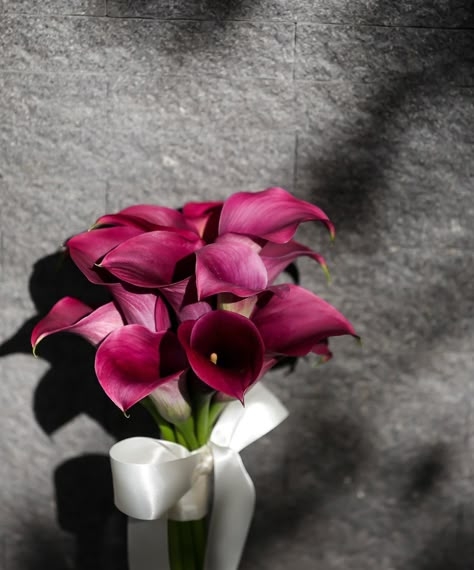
x,y
83,485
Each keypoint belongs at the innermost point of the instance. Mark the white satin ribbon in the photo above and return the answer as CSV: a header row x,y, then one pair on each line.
x,y
155,480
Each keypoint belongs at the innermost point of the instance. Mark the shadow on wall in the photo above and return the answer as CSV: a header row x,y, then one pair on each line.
x,y
83,484
452,548
348,176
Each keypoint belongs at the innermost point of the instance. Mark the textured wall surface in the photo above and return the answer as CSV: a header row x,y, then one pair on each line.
x,y
364,107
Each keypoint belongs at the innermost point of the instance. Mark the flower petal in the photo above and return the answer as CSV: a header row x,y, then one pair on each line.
x,y
295,322
230,268
148,217
140,306
272,214
180,293
277,256
72,315
172,400
225,351
151,259
205,218
133,361
194,311
89,247
162,316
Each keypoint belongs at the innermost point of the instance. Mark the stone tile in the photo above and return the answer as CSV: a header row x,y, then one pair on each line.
x,y
176,103
194,165
372,113
56,210
402,302
442,13
438,13
372,54
199,9
380,191
79,7
66,101
41,153
238,49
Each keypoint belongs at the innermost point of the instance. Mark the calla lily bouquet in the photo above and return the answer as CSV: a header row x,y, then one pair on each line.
x,y
195,318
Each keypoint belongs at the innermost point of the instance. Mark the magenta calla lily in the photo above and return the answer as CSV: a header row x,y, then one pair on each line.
x,y
225,351
296,321
151,259
204,216
71,315
88,248
133,361
273,214
148,218
229,268
141,306
277,256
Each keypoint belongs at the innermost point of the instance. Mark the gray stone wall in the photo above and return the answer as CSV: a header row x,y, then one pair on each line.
x,y
363,107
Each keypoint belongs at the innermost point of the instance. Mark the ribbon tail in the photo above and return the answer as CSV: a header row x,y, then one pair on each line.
x,y
148,544
232,510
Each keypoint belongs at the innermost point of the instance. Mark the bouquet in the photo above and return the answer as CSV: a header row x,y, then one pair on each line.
x,y
194,322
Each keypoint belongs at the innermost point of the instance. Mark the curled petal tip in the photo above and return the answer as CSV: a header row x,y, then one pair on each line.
x,y
326,273
35,354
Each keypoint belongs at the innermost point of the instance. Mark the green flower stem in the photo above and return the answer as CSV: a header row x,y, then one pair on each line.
x,y
188,552
215,410
186,430
166,429
174,547
202,418
199,530
186,539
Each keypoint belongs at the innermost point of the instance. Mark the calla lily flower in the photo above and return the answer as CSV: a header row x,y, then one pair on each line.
x,y
296,322
229,268
88,248
152,259
225,351
204,216
71,315
149,218
133,361
141,306
273,214
277,256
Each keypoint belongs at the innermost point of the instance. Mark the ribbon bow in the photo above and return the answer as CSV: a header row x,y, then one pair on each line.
x,y
155,480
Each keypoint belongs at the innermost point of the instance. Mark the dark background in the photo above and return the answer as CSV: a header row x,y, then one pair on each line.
x,y
363,107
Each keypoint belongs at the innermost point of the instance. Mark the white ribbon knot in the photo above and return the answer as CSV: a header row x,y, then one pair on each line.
x,y
155,480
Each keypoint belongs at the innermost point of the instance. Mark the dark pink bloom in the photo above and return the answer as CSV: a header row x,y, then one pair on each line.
x,y
71,315
88,248
152,259
277,256
229,268
149,218
133,361
204,216
296,322
273,214
225,351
